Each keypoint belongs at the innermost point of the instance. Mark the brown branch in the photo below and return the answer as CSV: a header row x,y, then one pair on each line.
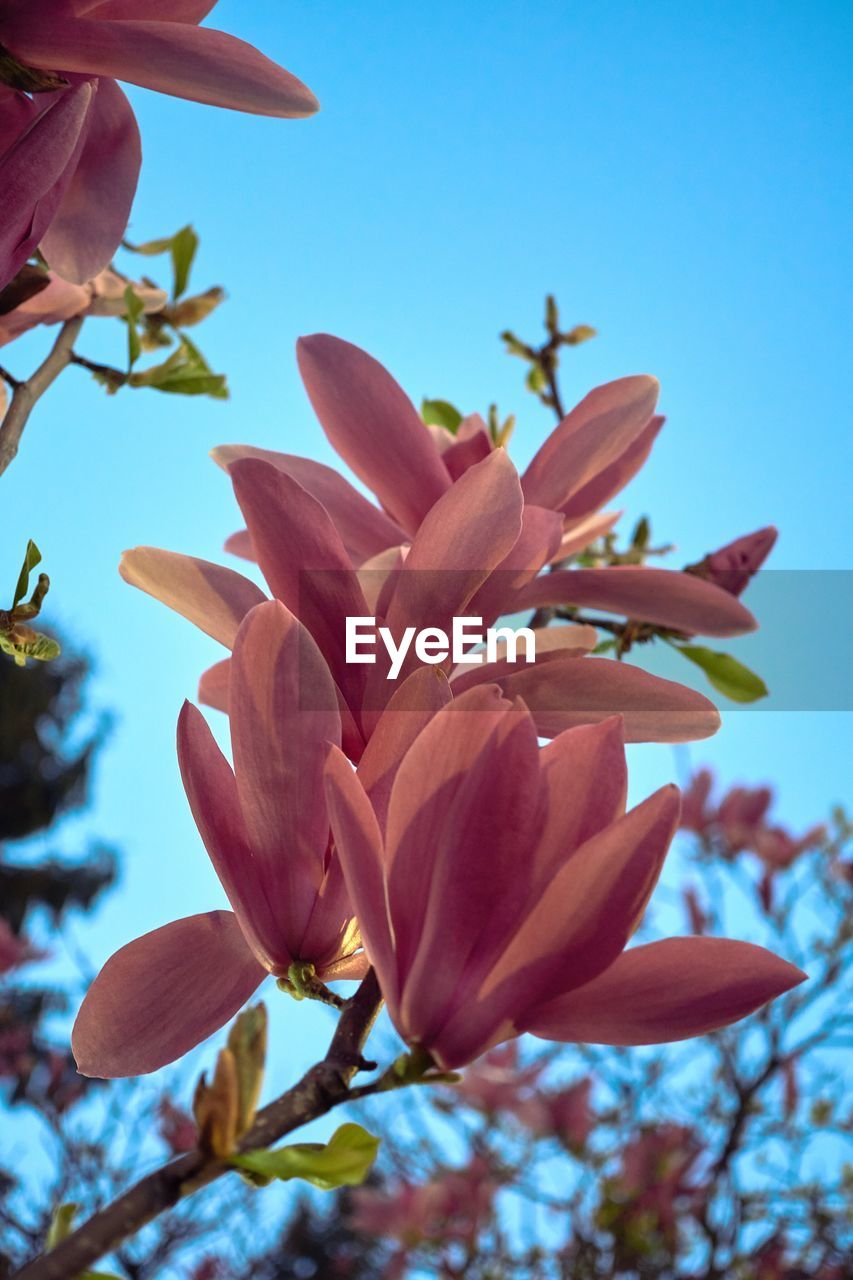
x,y
26,394
324,1087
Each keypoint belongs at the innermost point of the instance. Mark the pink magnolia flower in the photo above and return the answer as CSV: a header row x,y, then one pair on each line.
x,y
738,823
177,1127
265,827
70,156
470,552
496,892
657,1182
587,459
15,950
565,1113
453,1206
60,300
734,565
498,1082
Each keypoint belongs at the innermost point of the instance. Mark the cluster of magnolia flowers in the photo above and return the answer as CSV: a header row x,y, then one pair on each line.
x,y
417,825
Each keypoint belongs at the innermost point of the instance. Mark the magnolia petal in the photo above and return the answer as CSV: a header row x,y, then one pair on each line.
x,y
163,994
578,536
586,785
93,214
212,794
612,480
365,530
589,908
565,693
409,711
482,836
552,644
438,777
452,555
304,562
214,684
283,712
664,991
184,60
540,536
216,599
154,10
589,439
373,425
358,841
35,171
471,444
663,597
240,544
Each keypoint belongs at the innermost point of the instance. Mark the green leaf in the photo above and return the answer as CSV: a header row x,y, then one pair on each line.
x,y
151,248
725,673
186,372
60,1225
34,645
134,308
344,1161
441,413
32,557
603,646
184,247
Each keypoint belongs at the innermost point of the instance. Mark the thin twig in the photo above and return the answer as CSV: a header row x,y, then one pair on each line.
x,y
26,394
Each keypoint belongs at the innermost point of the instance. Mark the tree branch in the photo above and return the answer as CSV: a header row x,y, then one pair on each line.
x,y
26,394
324,1087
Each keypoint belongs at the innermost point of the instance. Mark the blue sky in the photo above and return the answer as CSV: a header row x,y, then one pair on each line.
x,y
677,174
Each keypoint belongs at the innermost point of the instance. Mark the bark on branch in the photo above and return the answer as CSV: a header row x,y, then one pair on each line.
x,y
26,394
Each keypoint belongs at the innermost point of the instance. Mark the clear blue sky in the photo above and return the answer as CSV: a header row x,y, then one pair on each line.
x,y
679,176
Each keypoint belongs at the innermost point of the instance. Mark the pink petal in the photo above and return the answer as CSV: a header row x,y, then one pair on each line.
x,y
565,693
578,536
437,785
586,785
214,598
471,444
304,561
154,10
374,427
612,480
663,597
364,529
59,301
465,536
214,685
283,713
359,845
87,228
161,995
35,172
409,711
593,436
541,533
176,58
666,991
212,793
482,839
240,544
552,644
590,908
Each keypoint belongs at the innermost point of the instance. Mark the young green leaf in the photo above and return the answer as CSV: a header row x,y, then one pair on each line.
x,y
32,557
134,307
60,1225
725,673
441,413
184,247
344,1161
